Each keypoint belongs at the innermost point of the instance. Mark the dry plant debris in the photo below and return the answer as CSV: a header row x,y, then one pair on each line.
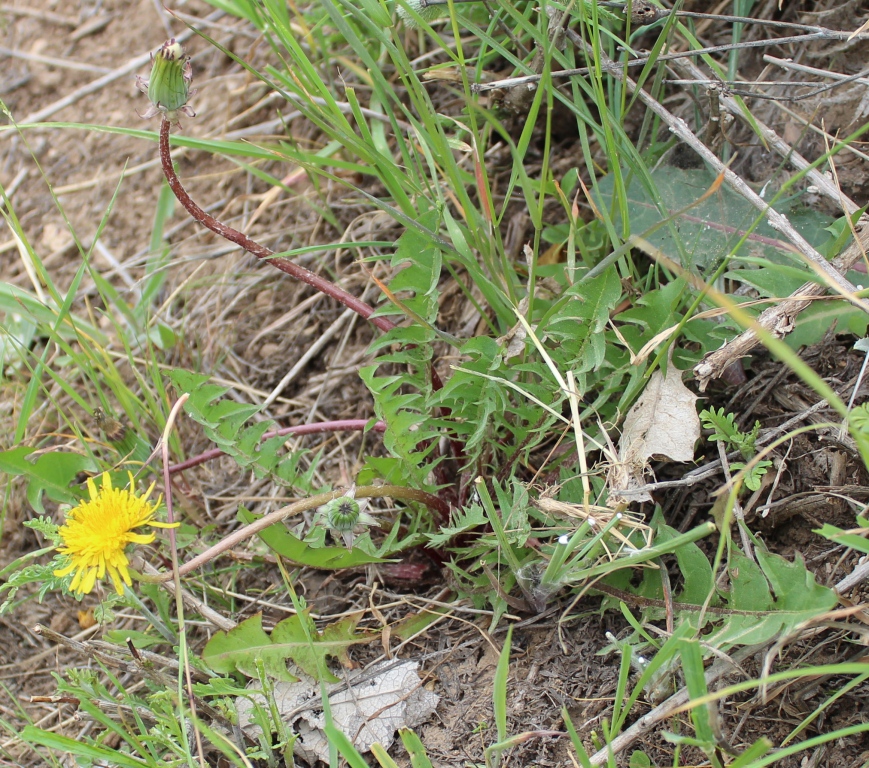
x,y
663,422
368,706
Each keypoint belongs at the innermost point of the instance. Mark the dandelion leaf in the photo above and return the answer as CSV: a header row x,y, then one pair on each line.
x,y
224,422
668,206
769,597
404,402
766,598
294,639
697,577
579,323
280,540
51,474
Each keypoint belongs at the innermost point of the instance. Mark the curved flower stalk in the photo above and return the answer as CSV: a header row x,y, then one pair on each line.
x,y
168,90
97,533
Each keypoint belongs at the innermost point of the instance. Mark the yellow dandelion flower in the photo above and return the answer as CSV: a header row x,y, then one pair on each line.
x,y
97,532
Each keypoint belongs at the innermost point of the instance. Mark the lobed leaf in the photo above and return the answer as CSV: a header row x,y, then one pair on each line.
x,y
241,648
51,474
223,422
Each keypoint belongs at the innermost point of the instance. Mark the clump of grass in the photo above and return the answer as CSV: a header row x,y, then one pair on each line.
x,y
561,344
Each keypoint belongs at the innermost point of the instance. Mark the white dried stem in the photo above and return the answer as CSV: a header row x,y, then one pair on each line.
x,y
689,70
778,320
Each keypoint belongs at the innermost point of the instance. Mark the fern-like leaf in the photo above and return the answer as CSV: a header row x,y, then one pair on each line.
x,y
223,422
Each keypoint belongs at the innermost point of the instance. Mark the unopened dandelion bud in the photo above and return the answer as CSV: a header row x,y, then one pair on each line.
x,y
345,516
342,514
168,88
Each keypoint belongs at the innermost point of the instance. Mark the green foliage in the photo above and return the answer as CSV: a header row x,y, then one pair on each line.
x,y
499,702
51,474
468,518
769,597
47,527
668,209
691,657
300,552
763,598
41,574
248,644
858,424
725,430
415,749
855,539
152,734
403,400
499,393
90,752
426,167
27,313
223,422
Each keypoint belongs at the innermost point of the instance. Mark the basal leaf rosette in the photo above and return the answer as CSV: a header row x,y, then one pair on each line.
x,y
98,532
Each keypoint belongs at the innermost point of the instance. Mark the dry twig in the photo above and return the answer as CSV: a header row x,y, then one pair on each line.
x,y
778,320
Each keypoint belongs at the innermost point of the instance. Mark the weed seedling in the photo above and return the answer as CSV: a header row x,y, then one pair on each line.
x,y
725,431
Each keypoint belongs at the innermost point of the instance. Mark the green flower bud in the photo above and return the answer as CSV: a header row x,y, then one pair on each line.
x,y
345,516
342,514
169,85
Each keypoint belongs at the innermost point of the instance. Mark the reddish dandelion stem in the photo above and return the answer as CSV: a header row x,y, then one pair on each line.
x,y
260,251
345,425
285,265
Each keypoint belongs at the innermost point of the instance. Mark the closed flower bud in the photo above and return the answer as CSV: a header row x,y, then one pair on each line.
x,y
345,516
168,85
342,514
168,88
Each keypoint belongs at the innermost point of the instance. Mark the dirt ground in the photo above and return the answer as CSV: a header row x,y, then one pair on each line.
x,y
236,320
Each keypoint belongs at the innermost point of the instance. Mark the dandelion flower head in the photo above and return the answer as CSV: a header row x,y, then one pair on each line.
x,y
96,534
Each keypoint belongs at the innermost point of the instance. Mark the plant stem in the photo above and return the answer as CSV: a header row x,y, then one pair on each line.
x,y
350,425
260,251
235,538
285,265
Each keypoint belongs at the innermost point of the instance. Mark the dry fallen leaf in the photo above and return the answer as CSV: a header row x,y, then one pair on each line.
x,y
369,707
662,423
513,341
